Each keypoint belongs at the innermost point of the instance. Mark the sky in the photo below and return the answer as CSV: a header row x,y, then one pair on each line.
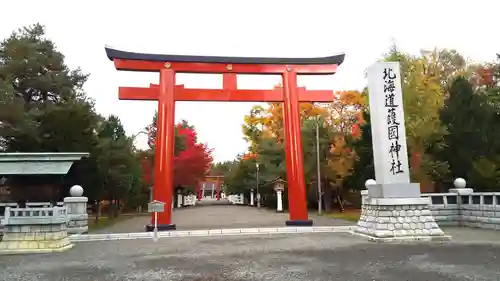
x,y
363,30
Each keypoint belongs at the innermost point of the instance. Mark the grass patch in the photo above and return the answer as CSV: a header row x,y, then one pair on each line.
x,y
104,222
348,215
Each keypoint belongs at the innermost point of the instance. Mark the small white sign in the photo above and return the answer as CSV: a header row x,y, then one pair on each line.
x,y
388,123
156,207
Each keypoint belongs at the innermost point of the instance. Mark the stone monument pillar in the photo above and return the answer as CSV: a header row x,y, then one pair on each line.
x,y
179,199
279,204
279,186
393,208
76,205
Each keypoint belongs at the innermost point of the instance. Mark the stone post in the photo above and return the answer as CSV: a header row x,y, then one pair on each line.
x,y
179,199
279,198
461,190
251,198
364,193
364,197
364,201
279,186
76,206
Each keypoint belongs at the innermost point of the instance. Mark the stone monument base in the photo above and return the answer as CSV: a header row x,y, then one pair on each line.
x,y
34,239
394,190
398,219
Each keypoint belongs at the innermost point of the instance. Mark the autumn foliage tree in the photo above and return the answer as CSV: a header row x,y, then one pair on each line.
x,y
192,160
263,130
344,114
441,124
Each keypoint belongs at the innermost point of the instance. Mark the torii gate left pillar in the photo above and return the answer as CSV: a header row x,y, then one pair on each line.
x,y
166,93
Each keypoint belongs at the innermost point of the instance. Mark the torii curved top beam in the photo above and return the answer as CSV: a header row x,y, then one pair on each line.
x,y
125,55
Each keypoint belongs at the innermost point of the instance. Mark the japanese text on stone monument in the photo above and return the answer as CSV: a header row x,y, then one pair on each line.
x,y
393,123
388,123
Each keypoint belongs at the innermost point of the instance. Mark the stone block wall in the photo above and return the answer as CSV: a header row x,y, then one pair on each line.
x,y
480,210
35,230
35,238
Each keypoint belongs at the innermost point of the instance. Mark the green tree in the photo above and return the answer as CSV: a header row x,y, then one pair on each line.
x,y
363,168
242,176
117,163
43,106
446,65
253,127
152,129
466,116
222,168
475,138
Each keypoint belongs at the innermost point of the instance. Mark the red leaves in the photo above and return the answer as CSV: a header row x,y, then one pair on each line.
x,y
249,156
147,170
191,164
355,130
485,76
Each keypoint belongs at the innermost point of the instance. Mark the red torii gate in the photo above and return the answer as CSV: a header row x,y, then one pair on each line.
x,y
218,180
167,93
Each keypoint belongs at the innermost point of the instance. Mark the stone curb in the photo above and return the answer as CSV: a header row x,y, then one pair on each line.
x,y
35,251
209,232
440,238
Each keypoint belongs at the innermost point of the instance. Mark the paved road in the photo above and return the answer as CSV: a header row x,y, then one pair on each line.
x,y
218,216
304,257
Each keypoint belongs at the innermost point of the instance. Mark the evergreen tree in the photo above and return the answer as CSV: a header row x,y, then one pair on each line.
x,y
363,168
42,104
466,115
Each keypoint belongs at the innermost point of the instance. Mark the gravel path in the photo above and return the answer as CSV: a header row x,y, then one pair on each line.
x,y
216,217
320,256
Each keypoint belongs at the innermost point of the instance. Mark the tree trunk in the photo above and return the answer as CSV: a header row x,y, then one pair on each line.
x,y
327,196
117,208
97,210
109,211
